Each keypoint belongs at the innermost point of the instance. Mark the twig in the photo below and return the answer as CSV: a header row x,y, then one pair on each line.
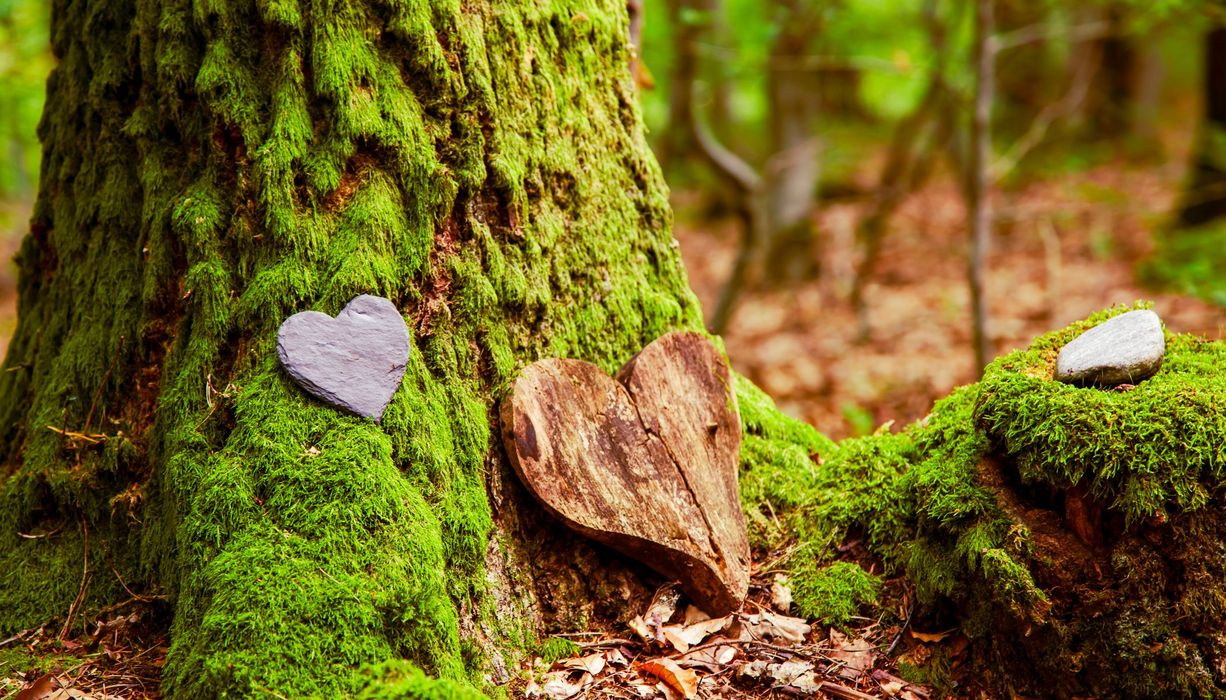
x,y
1040,32
76,602
842,691
898,637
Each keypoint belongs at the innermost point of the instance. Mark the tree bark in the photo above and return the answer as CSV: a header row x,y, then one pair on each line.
x,y
209,170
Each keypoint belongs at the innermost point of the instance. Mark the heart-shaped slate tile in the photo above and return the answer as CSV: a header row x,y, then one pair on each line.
x,y
354,361
646,463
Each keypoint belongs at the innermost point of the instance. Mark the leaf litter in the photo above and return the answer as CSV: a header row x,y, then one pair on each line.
x,y
680,653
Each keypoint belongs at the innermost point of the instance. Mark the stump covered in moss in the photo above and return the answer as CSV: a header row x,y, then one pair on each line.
x,y
1078,534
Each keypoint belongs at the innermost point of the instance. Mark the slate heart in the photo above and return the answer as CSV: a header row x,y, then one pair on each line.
x,y
646,464
354,361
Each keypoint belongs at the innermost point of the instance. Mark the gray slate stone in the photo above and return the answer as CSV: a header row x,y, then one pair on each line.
x,y
354,361
1125,349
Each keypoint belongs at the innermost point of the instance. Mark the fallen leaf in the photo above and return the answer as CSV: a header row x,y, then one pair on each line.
x,y
663,606
892,688
616,657
592,663
682,637
694,615
857,655
639,627
711,658
753,670
932,637
807,683
768,625
788,671
39,689
781,595
682,680
559,687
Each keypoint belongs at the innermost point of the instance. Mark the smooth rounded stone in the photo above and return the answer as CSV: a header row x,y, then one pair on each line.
x,y
354,361
1122,350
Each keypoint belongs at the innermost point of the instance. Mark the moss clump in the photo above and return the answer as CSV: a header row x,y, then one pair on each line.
x,y
1145,452
833,594
556,648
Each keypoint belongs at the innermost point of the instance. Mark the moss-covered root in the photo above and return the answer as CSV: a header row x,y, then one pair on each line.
x,y
213,167
1078,532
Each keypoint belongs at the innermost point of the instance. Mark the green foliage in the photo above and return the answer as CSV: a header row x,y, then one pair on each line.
x,y
25,60
1190,261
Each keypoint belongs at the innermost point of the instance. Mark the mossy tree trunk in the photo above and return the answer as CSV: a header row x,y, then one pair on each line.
x,y
211,168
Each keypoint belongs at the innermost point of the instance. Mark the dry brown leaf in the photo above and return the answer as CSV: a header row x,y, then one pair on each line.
x,y
592,663
616,657
781,595
768,625
712,658
892,688
559,687
37,690
932,637
682,680
857,655
639,627
694,615
682,637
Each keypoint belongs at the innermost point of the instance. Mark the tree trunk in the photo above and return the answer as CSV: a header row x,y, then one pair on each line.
x,y
792,172
209,170
979,208
1205,197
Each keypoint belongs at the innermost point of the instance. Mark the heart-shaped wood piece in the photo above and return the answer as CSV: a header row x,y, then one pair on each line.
x,y
646,463
354,361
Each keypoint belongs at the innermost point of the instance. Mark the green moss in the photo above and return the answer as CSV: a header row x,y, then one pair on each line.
x,y
833,594
556,648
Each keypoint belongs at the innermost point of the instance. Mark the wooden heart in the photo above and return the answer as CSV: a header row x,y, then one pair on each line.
x,y
354,361
646,464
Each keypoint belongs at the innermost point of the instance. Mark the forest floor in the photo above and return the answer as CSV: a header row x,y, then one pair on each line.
x,y
1064,248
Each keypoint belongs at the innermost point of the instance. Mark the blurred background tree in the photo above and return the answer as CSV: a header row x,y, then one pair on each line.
x,y
25,61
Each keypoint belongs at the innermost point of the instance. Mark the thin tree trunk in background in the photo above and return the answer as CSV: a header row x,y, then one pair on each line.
x,y
978,207
690,21
1205,195
1108,107
792,173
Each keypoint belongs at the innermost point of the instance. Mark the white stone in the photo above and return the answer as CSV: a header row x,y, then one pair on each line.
x,y
1126,349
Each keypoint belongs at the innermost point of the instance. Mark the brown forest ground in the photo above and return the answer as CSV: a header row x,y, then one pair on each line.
x,y
1064,247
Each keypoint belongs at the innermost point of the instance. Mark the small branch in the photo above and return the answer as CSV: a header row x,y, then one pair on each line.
x,y
80,598
1040,32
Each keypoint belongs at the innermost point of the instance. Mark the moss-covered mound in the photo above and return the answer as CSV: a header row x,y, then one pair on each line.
x,y
1078,532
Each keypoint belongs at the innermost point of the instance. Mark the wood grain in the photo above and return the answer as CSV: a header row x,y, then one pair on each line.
x,y
646,463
